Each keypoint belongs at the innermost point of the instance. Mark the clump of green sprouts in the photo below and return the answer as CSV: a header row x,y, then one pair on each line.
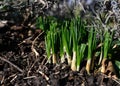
x,y
69,40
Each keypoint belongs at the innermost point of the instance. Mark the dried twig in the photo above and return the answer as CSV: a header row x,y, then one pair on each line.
x,y
36,53
112,78
109,15
13,78
32,47
30,77
31,67
15,66
2,80
44,3
43,74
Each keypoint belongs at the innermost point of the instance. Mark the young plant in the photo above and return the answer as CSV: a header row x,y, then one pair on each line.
x,y
66,39
48,46
91,47
62,56
51,41
106,47
54,38
80,54
73,65
40,23
43,23
76,32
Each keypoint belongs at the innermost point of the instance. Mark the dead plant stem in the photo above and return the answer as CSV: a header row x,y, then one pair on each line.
x,y
15,66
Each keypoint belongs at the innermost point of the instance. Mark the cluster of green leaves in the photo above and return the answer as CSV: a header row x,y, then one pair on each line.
x,y
70,40
64,39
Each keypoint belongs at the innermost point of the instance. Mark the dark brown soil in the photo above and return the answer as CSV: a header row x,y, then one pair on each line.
x,y
21,66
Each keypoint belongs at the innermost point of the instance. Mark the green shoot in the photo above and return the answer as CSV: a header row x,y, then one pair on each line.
x,y
75,43
66,39
62,58
91,47
40,23
48,46
106,47
80,54
54,37
51,41
75,28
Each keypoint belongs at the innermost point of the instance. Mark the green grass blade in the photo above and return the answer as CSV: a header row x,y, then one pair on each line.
x,y
80,54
